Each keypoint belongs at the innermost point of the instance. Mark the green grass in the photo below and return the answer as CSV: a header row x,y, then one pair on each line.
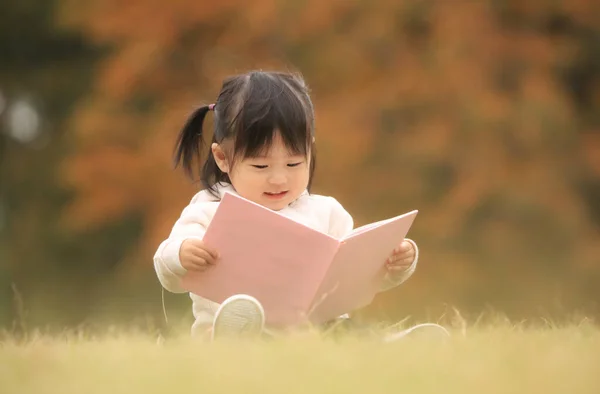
x,y
500,358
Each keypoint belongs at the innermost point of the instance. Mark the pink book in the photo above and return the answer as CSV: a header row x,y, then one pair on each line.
x,y
298,274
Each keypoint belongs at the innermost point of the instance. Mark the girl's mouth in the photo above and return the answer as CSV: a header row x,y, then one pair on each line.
x,y
275,196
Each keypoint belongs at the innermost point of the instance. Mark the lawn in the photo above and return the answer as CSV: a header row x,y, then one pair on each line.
x,y
500,358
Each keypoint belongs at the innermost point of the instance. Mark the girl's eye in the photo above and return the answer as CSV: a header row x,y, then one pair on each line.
x,y
294,164
259,166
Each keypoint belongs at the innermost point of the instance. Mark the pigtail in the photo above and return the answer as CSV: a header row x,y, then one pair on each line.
x,y
190,142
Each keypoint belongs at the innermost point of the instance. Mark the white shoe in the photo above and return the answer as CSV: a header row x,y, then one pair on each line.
x,y
430,330
239,315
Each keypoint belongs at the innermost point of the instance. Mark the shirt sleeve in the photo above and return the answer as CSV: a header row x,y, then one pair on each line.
x,y
341,222
192,223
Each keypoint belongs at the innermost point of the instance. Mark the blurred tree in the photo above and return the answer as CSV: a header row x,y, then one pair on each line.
x,y
42,72
483,115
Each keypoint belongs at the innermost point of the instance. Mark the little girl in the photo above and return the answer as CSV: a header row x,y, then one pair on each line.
x,y
263,149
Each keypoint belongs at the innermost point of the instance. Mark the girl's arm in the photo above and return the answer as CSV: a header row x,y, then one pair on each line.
x,y
192,223
395,278
341,224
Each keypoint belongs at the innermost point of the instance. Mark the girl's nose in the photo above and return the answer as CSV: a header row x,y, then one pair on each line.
x,y
277,178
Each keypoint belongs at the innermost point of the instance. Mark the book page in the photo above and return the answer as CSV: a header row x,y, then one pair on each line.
x,y
266,255
366,227
356,274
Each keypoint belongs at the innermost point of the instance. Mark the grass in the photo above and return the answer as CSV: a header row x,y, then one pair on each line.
x,y
498,358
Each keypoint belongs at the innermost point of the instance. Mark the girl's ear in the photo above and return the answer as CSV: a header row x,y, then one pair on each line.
x,y
220,157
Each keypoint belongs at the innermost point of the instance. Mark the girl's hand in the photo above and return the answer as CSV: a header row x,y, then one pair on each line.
x,y
401,258
195,255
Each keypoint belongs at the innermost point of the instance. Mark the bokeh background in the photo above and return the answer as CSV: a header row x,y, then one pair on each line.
x,y
484,115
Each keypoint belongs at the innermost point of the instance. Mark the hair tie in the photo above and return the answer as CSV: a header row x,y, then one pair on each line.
x,y
211,107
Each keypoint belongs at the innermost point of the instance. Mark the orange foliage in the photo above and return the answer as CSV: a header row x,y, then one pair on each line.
x,y
427,105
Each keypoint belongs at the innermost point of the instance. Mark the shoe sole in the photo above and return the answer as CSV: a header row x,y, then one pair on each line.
x,y
239,315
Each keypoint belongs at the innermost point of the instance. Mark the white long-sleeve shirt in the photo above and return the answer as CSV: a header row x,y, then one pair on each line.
x,y
322,213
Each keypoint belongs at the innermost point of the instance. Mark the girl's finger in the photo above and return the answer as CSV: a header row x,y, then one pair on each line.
x,y
205,256
197,264
212,251
407,260
200,267
401,257
406,246
397,267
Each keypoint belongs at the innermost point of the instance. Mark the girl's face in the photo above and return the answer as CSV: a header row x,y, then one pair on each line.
x,y
273,180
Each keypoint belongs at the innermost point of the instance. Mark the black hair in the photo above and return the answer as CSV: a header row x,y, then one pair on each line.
x,y
249,110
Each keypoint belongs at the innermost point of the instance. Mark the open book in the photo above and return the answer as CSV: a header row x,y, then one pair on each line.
x,y
297,273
